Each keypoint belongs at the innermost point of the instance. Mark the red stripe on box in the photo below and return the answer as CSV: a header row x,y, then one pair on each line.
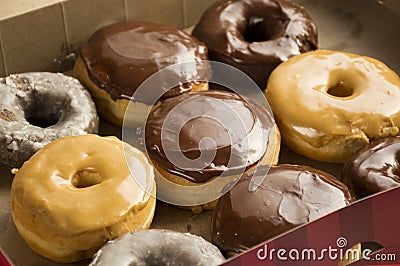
x,y
385,215
387,256
387,218
324,234
297,240
237,262
361,231
256,258
3,260
259,259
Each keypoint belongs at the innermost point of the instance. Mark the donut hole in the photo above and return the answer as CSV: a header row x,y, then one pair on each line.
x,y
86,178
340,89
257,30
44,109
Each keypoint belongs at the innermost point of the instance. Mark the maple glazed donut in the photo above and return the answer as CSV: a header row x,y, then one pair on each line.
x,y
36,108
118,58
77,193
158,247
195,137
373,168
255,36
329,104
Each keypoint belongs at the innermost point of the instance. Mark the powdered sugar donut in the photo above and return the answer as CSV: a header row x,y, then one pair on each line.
x,y
36,108
158,247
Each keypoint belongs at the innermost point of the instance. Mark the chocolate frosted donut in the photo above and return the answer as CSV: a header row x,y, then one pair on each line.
x,y
226,118
36,108
373,168
118,58
200,141
289,196
123,55
158,247
256,35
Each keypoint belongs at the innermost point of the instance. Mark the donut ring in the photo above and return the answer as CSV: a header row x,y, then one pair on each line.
x,y
338,103
373,168
71,197
158,247
255,36
36,108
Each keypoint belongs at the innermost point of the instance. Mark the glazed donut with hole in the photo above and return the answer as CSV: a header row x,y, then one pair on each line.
x,y
78,192
255,36
329,104
36,108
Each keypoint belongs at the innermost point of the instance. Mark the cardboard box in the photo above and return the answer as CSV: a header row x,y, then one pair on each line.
x,y
46,35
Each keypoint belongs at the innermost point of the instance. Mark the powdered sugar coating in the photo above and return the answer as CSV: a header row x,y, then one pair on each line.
x,y
158,247
43,94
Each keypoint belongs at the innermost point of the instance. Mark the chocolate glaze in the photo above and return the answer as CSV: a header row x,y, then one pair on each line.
x,y
256,35
121,56
373,168
289,196
239,120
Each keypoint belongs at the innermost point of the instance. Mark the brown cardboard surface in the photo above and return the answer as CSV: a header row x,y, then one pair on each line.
x,y
168,12
35,42
12,8
392,5
193,10
83,17
358,26
2,65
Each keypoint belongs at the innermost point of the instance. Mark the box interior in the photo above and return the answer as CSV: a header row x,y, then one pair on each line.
x,y
46,35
